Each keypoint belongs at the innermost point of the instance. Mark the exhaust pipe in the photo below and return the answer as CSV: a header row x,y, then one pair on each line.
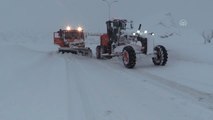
x,y
139,28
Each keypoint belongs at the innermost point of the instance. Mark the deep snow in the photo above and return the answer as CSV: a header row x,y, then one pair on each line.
x,y
38,83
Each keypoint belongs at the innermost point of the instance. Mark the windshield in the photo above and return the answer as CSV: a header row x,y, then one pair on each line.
x,y
120,24
74,35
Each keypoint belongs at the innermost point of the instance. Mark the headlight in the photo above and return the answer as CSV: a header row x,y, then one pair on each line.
x,y
138,31
79,29
68,28
133,34
145,32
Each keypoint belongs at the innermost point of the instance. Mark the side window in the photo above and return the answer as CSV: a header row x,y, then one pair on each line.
x,y
115,24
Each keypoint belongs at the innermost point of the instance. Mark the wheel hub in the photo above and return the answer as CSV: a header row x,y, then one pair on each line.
x,y
125,57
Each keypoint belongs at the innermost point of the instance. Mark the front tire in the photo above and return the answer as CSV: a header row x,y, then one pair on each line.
x,y
129,57
161,56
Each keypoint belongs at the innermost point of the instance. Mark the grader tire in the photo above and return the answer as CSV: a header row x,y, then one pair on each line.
x,y
161,57
129,57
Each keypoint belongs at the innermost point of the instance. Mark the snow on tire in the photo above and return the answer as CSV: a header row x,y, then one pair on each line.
x,y
89,52
129,57
161,55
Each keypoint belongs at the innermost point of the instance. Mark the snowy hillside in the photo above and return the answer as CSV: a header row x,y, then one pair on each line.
x,y
36,82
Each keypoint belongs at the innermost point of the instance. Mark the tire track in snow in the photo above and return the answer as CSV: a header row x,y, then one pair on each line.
x,y
196,96
112,111
78,91
93,95
118,76
68,90
202,98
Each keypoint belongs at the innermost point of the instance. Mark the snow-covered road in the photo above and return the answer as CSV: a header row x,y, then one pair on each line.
x,y
38,83
113,92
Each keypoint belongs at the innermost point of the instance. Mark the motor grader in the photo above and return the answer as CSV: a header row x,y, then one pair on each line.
x,y
71,41
121,41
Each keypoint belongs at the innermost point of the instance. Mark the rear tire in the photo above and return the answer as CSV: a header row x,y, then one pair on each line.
x,y
98,52
129,57
161,56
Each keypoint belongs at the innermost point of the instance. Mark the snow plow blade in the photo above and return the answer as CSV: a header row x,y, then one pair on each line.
x,y
79,51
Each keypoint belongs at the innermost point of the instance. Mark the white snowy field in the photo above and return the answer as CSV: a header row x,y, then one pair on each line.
x,y
38,83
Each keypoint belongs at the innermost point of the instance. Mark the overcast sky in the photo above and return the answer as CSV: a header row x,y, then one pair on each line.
x,y
48,15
